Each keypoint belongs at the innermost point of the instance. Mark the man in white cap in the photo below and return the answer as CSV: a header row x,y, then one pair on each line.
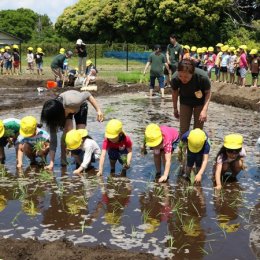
x,y
82,54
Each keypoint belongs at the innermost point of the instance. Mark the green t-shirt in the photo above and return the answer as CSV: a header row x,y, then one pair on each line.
x,y
192,93
58,61
157,64
12,126
174,53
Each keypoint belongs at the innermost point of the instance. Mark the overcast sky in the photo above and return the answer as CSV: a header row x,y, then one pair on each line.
x,y
53,8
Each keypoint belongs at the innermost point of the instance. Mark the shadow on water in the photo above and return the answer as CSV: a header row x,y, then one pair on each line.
x,y
175,219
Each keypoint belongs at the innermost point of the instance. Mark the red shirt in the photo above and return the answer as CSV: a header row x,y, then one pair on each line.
x,y
121,145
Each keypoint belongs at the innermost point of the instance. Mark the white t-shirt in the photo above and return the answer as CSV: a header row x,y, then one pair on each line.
x,y
90,147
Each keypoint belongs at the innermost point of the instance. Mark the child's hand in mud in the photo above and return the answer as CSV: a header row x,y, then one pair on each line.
x,y
163,178
99,173
218,187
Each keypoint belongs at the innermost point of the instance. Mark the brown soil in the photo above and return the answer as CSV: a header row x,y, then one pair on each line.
x,y
30,249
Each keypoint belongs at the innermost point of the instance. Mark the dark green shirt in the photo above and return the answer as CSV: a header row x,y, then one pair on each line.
x,y
174,53
190,92
58,61
157,64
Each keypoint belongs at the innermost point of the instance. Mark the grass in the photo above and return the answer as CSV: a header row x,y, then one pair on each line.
x,y
45,175
3,171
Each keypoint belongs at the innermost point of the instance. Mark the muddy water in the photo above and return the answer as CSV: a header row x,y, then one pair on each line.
x,y
172,220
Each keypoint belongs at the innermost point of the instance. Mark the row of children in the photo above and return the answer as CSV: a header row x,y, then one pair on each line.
x,y
9,60
194,145
227,60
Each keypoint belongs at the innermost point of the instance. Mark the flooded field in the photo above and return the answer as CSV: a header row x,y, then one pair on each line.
x,y
171,220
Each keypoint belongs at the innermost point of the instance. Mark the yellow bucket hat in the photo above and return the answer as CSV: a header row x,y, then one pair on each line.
x,y
88,62
210,48
196,140
2,128
62,50
233,141
153,135
30,48
28,126
193,48
113,128
253,51
219,45
74,137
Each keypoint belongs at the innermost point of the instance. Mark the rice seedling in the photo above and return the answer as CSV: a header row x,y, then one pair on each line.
x,y
146,215
170,241
15,219
109,109
3,172
222,229
158,191
29,207
184,245
83,225
202,250
45,175
195,209
134,232
123,158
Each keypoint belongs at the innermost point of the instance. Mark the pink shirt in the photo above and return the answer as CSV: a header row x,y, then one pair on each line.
x,y
170,135
211,58
243,61
122,145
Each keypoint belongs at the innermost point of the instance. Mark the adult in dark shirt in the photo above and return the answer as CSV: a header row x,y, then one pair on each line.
x,y
57,64
192,85
82,54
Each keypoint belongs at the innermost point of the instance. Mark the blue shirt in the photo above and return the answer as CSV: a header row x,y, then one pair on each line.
x,y
206,147
41,135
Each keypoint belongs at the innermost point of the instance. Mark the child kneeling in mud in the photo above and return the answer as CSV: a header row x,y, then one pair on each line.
x,y
163,140
230,158
28,140
118,145
198,147
83,148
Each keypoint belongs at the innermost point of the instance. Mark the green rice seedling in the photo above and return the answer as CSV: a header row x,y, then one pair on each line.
x,y
134,232
170,241
108,110
9,133
195,209
83,226
38,146
158,191
223,230
184,245
177,206
15,219
146,215
202,250
192,178
45,175
3,171
123,159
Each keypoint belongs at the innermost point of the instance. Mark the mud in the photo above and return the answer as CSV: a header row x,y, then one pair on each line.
x,y
22,93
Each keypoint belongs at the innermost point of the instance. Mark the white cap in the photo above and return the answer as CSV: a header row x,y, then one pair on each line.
x,y
79,42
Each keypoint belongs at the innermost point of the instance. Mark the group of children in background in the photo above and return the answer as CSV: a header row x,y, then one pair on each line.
x,y
229,62
194,147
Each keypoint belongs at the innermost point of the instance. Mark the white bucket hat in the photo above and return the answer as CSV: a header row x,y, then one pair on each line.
x,y
79,42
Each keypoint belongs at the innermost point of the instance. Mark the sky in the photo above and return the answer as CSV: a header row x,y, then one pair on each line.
x,y
53,8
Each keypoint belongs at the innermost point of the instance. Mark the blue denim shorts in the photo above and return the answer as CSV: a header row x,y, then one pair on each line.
x,y
160,80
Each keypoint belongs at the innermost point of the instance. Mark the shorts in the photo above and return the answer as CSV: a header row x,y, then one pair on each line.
x,y
3,141
16,64
194,158
209,68
116,155
238,72
172,68
81,116
255,75
217,70
243,72
174,146
223,69
160,80
231,70
39,65
8,64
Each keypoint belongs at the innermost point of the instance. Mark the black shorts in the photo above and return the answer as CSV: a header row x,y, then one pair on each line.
x,y
238,72
254,75
172,68
3,141
223,69
81,116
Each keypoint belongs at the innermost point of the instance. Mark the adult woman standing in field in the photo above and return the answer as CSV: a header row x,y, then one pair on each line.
x,y
193,86
59,113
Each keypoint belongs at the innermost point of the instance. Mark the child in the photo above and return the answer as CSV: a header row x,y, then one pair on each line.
x,y
91,73
157,61
229,158
30,136
8,60
186,52
83,148
118,145
243,65
198,147
254,67
163,140
217,61
9,131
194,55
210,60
16,61
38,60
232,64
2,51
30,59
224,63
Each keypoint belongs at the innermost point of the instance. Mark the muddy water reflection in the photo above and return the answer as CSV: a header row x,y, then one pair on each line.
x,y
170,220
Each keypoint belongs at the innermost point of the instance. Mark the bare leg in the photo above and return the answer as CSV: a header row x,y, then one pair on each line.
x,y
2,154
